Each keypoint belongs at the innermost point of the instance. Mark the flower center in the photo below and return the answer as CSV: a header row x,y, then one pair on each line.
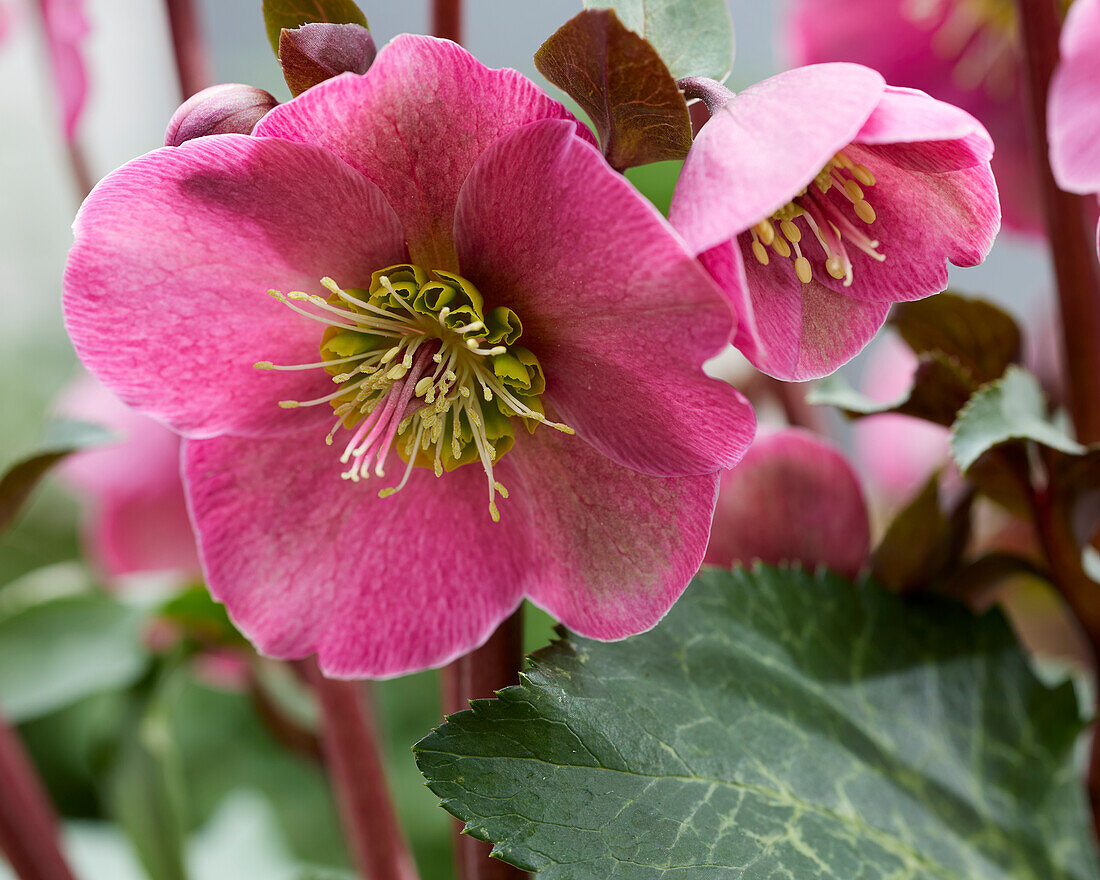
x,y
822,207
421,366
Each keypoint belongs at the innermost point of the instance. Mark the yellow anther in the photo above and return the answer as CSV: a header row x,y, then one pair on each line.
x,y
263,365
289,404
834,267
854,190
297,295
391,354
864,211
766,231
397,371
863,174
761,253
793,233
501,490
493,512
781,247
424,386
802,267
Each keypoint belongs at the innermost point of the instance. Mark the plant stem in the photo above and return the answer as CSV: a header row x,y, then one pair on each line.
x,y
476,676
1073,242
192,61
447,19
354,762
28,826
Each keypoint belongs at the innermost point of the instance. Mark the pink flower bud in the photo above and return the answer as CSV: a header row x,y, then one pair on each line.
x,y
230,108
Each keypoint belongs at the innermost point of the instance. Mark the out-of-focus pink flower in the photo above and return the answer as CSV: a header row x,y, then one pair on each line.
x,y
793,498
1074,108
819,197
414,216
896,453
137,517
66,28
5,21
965,52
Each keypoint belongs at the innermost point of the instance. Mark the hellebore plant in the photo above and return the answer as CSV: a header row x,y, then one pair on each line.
x,y
430,354
819,197
137,518
966,52
1074,108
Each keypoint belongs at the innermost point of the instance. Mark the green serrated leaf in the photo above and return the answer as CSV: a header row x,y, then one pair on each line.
x,y
62,438
279,14
777,724
693,37
1010,408
56,652
621,82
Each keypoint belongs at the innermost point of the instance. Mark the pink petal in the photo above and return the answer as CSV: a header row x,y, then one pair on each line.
x,y
787,329
137,520
66,30
307,562
415,123
897,453
614,549
766,145
1074,110
165,289
619,314
793,498
923,221
933,135
879,34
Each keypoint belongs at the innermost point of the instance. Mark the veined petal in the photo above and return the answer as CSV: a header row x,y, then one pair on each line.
x,y
1074,109
614,549
166,286
767,144
308,563
787,329
415,123
619,314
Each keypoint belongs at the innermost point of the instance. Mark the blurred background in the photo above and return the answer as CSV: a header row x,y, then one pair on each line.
x,y
255,804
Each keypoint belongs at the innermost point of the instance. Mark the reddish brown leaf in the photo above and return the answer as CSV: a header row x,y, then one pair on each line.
x,y
316,52
279,14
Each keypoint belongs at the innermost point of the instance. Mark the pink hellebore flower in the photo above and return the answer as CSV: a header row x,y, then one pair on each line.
x,y
819,197
469,305
965,52
138,516
1074,108
793,498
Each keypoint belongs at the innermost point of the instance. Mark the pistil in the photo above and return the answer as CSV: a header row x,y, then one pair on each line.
x,y
421,367
825,219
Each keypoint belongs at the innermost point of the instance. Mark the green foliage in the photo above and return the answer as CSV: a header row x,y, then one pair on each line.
x,y
777,724
56,652
693,37
279,14
1010,408
623,86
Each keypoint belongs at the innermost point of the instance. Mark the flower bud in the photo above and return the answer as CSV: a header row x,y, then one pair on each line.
x,y
230,108
316,52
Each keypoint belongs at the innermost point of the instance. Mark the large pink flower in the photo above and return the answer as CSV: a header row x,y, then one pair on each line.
x,y
793,498
966,52
474,284
820,196
137,518
1074,108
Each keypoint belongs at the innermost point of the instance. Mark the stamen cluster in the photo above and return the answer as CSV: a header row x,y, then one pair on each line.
x,y
824,216
419,363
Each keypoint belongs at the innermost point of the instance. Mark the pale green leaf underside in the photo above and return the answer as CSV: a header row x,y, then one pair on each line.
x,y
1010,408
776,725
693,37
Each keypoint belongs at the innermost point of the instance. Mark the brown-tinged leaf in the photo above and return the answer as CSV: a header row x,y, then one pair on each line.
x,y
925,541
621,82
279,14
315,52
982,338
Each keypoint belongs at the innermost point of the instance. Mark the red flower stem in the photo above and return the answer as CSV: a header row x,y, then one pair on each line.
x,y
1073,242
447,19
476,676
28,826
192,60
354,762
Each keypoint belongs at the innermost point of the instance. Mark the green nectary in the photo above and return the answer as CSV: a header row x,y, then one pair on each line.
x,y
420,362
